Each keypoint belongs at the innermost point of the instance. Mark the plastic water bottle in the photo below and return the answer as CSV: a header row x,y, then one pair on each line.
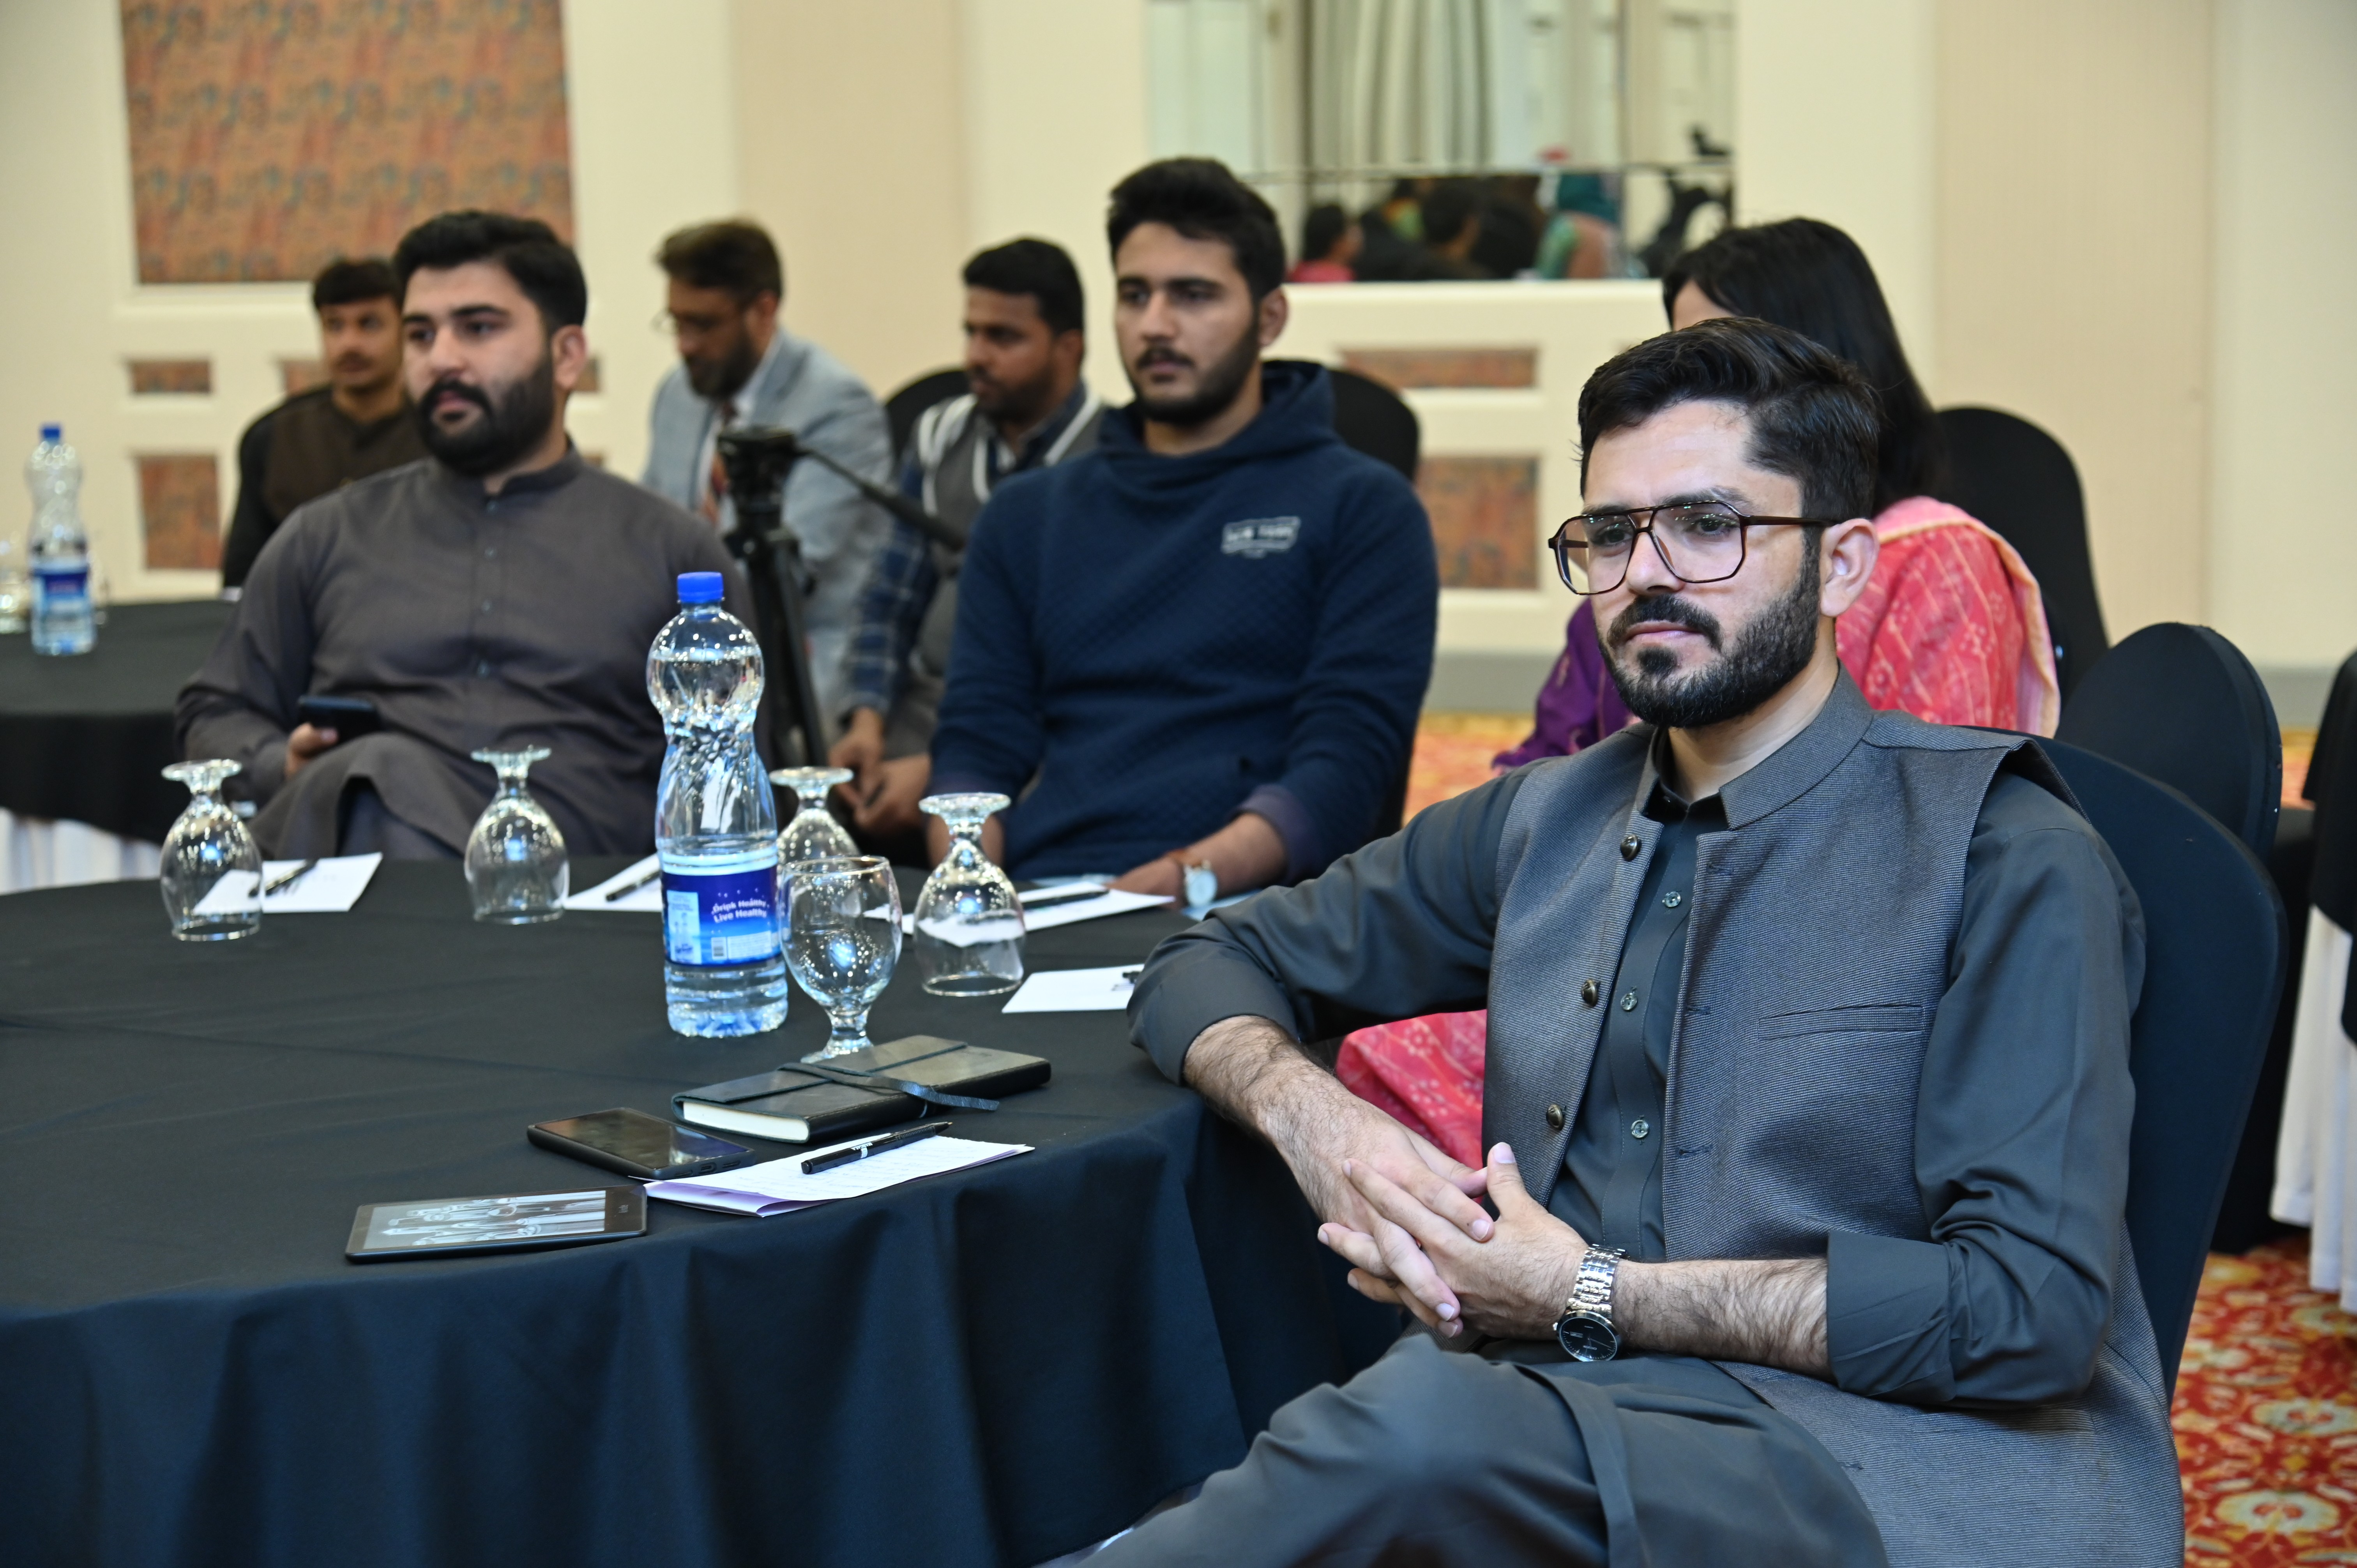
x,y
60,615
715,823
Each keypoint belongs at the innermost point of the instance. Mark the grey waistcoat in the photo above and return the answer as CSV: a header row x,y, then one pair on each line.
x,y
1822,927
952,447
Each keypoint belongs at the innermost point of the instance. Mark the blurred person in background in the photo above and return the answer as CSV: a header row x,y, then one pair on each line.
x,y
1330,242
1452,214
1026,408
358,423
1391,235
740,367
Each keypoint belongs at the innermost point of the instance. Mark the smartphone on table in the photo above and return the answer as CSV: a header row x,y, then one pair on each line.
x,y
640,1146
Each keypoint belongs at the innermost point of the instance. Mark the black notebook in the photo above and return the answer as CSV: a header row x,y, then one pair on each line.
x,y
797,1104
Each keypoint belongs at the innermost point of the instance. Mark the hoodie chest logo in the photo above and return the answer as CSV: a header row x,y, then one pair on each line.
x,y
1260,536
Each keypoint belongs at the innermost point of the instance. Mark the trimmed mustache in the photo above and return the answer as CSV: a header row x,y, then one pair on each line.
x,y
1154,356
434,395
1666,609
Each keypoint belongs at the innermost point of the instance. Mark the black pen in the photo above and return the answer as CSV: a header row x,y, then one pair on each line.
x,y
1059,895
624,891
813,1165
286,879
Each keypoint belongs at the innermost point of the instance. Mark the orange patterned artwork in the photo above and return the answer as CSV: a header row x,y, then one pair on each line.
x,y
1484,520
270,136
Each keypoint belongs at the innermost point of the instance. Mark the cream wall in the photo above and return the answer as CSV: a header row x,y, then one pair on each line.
x,y
2073,181
2282,552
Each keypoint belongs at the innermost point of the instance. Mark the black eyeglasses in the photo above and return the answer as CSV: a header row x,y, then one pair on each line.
x,y
1701,542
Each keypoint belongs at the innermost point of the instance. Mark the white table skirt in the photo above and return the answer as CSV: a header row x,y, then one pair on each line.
x,y
35,853
2316,1179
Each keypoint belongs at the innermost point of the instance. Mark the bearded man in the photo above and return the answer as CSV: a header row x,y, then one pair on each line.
x,y
1197,652
499,593
738,367
1808,1102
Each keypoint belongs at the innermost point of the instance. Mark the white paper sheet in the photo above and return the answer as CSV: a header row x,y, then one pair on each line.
x,y
778,1187
646,900
331,887
1075,990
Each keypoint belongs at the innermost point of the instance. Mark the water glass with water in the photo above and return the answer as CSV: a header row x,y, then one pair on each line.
x,y
843,940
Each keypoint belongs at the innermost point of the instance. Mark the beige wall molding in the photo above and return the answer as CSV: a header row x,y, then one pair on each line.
x,y
1405,369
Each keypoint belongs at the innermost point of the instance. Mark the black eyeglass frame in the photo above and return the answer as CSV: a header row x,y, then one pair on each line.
x,y
1641,517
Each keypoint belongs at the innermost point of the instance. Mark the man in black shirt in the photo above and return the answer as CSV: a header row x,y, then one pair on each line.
x,y
320,440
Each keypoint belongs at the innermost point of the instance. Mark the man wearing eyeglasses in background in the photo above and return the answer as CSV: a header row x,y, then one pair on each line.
x,y
740,367
1807,1101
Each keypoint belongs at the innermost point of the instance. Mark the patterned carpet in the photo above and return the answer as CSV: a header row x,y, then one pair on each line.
x,y
2266,1398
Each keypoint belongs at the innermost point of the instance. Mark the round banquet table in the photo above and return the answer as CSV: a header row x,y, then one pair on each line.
x,y
86,739
996,1365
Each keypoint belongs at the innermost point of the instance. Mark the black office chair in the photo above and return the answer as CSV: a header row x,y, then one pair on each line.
x,y
903,408
2215,950
2182,704
2331,786
1372,418
2018,479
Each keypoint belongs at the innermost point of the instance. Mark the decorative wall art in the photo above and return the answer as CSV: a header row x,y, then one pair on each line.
x,y
270,136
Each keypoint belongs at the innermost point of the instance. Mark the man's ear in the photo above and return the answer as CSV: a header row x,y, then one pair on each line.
x,y
1275,310
1846,558
569,352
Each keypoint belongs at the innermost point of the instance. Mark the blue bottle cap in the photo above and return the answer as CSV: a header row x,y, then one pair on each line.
x,y
699,588
53,432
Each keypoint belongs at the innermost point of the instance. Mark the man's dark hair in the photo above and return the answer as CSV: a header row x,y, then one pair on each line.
x,y
732,255
347,282
1448,207
1038,268
1812,277
527,250
1199,199
1321,229
1812,416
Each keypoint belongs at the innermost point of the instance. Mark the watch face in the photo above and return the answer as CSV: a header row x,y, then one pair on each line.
x,y
1586,1337
1203,886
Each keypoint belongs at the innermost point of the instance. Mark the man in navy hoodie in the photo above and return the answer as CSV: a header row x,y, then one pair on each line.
x,y
1195,655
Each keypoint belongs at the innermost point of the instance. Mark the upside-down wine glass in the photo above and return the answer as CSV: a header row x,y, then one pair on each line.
x,y
969,936
813,834
211,874
516,866
843,940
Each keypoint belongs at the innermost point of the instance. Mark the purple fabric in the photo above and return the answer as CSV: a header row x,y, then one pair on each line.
x,y
1579,705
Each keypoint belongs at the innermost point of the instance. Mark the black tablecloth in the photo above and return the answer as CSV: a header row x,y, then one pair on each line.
x,y
88,737
991,1367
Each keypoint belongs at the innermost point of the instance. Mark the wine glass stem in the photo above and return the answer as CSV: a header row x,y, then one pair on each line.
x,y
846,1031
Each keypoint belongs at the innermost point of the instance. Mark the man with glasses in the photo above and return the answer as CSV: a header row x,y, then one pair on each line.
x,y
740,367
1801,1235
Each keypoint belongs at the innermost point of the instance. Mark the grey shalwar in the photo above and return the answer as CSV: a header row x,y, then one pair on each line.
x,y
2008,1281
472,621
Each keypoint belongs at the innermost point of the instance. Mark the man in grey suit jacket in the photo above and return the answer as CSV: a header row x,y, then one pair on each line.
x,y
1807,1097
740,367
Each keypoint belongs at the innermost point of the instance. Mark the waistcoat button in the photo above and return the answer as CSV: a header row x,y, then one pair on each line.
x,y
1629,846
1673,899
1587,991
1555,1118
1629,1002
1640,1127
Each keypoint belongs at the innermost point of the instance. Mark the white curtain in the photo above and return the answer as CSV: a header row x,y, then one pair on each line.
x,y
2316,1180
38,853
1397,83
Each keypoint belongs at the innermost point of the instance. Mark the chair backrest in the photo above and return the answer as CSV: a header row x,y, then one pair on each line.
x,y
2215,950
2018,479
2331,786
2182,704
903,407
1372,418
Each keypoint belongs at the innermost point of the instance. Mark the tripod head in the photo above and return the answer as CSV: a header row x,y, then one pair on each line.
x,y
757,459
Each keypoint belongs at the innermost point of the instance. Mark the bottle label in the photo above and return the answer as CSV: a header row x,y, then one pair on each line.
x,y
719,913
60,587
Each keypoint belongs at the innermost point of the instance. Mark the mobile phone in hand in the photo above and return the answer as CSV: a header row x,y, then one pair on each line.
x,y
349,717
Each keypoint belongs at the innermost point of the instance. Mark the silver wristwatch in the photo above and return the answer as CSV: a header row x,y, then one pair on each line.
x,y
1584,1330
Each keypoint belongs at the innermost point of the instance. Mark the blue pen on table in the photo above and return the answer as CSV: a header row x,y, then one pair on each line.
x,y
814,1164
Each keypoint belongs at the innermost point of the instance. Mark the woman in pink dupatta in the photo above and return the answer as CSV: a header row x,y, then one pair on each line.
x,y
1949,628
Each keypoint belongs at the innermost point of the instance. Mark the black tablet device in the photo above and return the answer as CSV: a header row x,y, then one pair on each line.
x,y
503,1223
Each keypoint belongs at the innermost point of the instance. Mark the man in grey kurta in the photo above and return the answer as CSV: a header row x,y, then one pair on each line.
x,y
501,593
1819,1015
